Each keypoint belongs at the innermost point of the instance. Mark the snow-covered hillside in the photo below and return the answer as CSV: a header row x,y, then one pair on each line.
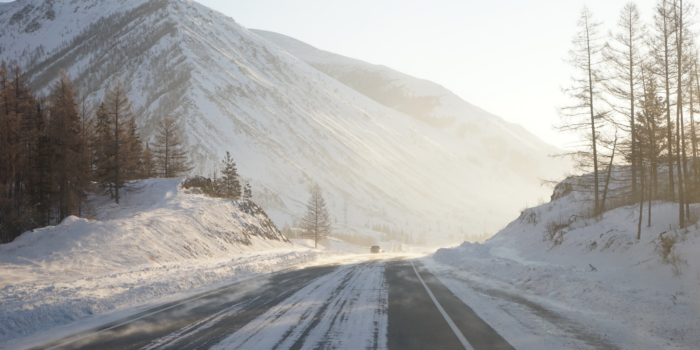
x,y
646,289
467,130
287,124
160,241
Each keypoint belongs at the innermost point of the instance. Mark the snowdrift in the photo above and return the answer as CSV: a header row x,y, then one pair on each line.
x,y
598,267
156,222
160,241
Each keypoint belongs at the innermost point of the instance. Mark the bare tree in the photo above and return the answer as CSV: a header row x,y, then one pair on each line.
x,y
584,115
624,58
316,223
663,52
682,19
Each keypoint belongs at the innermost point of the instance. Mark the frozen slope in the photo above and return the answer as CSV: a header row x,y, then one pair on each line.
x,y
287,124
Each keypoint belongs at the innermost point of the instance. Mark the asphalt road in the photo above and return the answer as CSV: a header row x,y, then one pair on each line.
x,y
372,304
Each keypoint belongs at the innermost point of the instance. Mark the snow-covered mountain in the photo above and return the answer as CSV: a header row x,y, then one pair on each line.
x,y
477,131
385,147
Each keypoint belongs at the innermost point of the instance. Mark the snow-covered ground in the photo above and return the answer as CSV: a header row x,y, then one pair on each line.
x,y
161,243
600,283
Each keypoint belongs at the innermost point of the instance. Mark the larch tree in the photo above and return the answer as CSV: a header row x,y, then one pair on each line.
x,y
662,50
694,87
650,119
118,113
585,112
149,164
64,130
624,56
170,150
133,162
682,15
316,224
103,146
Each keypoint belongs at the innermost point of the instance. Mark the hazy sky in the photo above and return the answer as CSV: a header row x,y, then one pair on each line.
x,y
504,56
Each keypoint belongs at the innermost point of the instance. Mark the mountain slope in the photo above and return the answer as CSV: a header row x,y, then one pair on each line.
x,y
287,124
475,129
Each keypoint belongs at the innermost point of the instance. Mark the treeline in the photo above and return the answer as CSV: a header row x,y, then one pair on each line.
x,y
634,97
55,149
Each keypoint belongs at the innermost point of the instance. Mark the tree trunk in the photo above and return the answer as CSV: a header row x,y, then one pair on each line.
x,y
679,114
641,201
596,208
671,185
607,178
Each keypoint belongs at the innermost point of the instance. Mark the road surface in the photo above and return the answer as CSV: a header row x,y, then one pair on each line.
x,y
379,303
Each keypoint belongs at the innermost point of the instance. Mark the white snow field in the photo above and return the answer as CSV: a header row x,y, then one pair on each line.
x,y
287,124
161,243
599,288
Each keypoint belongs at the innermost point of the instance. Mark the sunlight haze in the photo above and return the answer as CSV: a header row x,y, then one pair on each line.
x,y
505,57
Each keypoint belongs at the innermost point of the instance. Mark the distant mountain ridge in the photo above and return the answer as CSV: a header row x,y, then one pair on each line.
x,y
290,120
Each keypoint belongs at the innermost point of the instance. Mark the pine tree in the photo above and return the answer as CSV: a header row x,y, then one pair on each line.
x,y
247,191
229,184
316,224
170,150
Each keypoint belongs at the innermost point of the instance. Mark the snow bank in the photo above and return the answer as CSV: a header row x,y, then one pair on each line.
x,y
597,266
160,240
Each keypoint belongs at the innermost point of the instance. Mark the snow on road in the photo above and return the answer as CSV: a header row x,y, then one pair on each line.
x,y
345,309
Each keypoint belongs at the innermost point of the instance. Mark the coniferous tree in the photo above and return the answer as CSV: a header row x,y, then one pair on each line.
x,y
316,224
149,165
71,167
104,150
662,52
681,13
133,162
118,112
585,115
230,186
170,150
87,132
650,126
624,58
247,191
